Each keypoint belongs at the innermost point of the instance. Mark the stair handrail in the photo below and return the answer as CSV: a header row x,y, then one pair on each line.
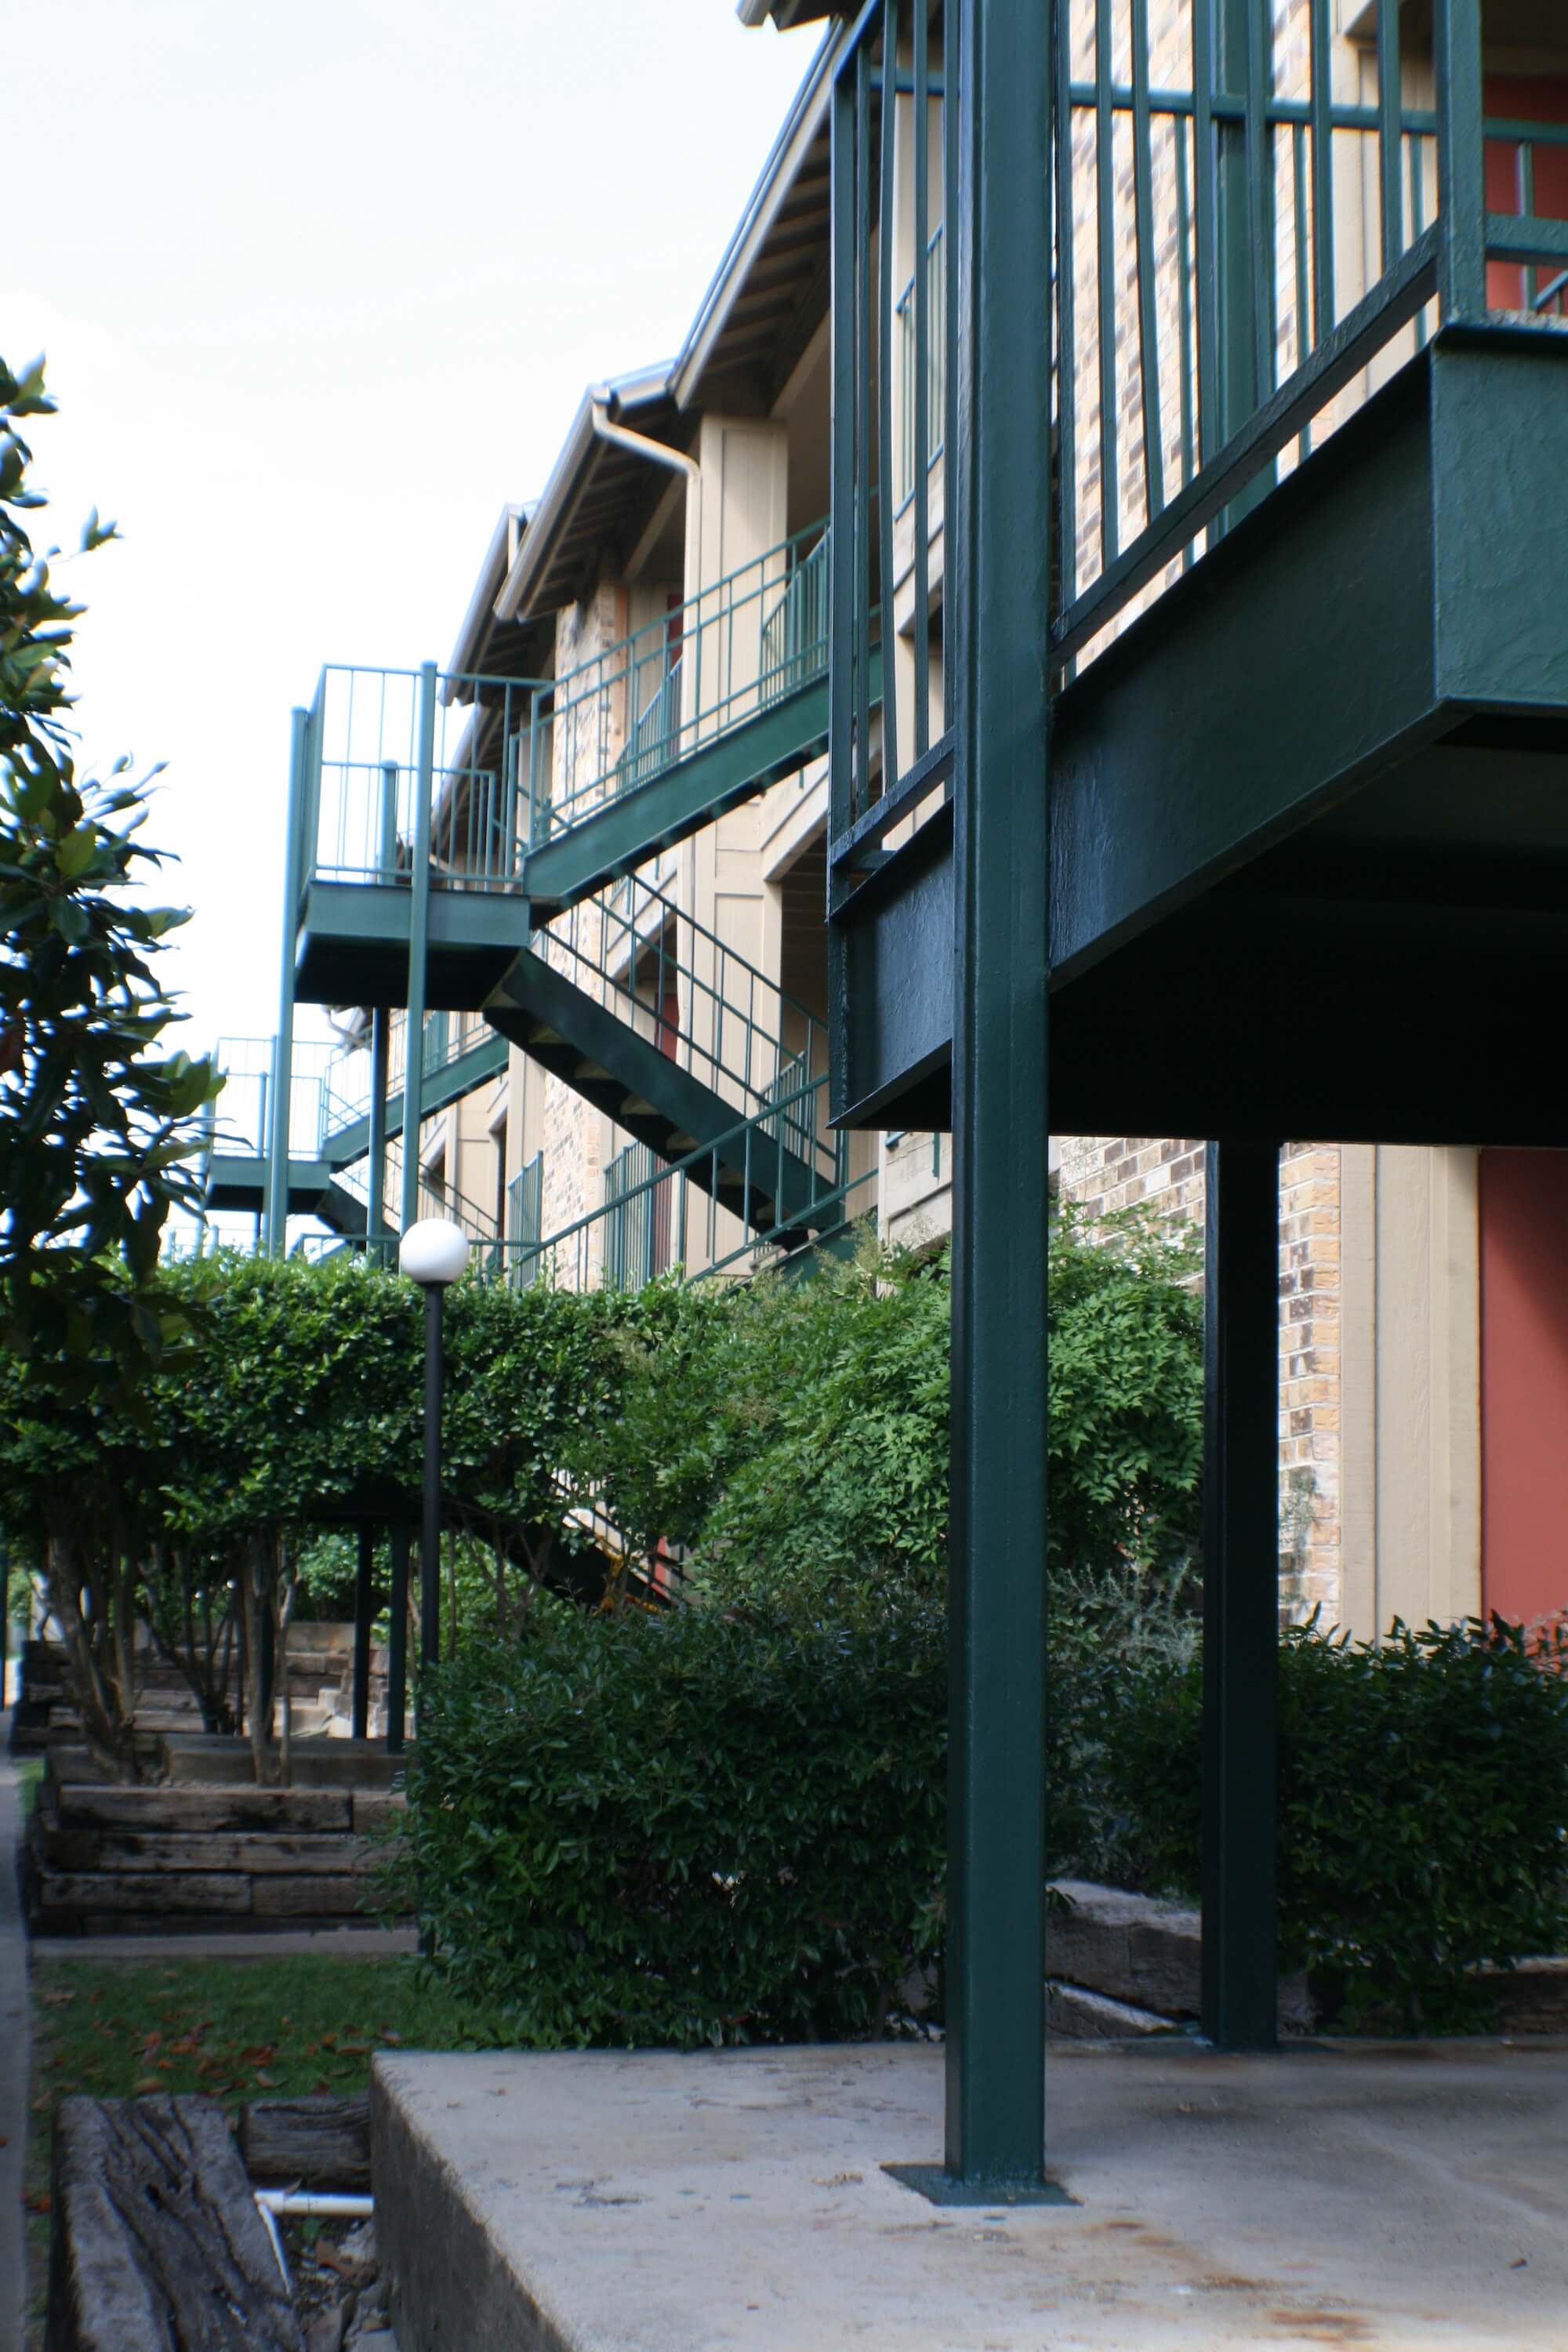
x,y
744,1159
738,1043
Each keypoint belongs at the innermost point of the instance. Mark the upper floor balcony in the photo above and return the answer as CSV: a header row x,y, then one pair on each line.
x,y
499,795
1303,426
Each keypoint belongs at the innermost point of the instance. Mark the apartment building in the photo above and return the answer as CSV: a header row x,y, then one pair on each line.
x,y
587,864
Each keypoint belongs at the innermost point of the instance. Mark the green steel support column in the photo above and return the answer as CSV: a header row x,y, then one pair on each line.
x,y
418,939
276,1229
380,1079
1461,160
1241,1593
1001,564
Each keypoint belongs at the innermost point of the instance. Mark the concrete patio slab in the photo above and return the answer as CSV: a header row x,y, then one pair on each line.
x,y
1378,2196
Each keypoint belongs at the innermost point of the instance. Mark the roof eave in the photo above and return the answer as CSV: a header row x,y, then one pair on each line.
x,y
511,529
789,150
620,398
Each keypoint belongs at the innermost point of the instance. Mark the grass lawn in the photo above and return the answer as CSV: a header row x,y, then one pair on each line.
x,y
238,2029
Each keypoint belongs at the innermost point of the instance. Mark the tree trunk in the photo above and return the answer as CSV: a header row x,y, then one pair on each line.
x,y
103,1700
257,1578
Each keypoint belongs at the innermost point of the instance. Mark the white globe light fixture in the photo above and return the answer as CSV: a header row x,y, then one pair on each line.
x,y
434,1253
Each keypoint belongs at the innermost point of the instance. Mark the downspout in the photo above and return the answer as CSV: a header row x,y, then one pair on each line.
x,y
642,447
660,454
677,460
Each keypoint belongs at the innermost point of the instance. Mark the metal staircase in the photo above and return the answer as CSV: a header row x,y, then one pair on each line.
x,y
329,1118
655,1022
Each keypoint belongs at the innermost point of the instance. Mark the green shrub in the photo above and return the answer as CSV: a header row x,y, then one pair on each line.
x,y
695,1829
1423,1810
714,1827
794,1436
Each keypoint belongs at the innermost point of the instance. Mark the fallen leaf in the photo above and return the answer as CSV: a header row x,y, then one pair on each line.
x,y
269,2080
59,1999
395,2039
41,2106
42,2203
148,2082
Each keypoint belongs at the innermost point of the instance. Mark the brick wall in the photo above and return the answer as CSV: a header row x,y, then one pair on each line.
x,y
1166,1174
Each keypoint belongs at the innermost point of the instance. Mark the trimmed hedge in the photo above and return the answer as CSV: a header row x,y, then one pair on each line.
x,y
684,1830
713,1828
1423,1810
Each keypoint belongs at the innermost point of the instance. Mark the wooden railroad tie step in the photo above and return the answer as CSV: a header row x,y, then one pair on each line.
x,y
156,2243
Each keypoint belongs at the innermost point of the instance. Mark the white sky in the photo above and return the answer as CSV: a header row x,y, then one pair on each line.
x,y
321,286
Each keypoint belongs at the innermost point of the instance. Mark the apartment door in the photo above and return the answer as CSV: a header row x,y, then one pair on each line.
x,y
1524,1383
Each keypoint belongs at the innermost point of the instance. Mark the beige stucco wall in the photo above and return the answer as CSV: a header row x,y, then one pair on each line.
x,y
1410,1464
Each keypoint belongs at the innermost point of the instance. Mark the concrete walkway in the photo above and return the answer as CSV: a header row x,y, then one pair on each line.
x,y
1387,2196
14,2054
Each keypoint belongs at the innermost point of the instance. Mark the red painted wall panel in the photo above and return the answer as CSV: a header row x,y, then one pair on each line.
x,y
1524,1382
1513,97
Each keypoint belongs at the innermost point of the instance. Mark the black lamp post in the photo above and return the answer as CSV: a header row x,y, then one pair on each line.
x,y
434,1252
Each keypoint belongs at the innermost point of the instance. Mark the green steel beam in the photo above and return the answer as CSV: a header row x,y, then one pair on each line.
x,y
1000,560
418,944
244,1182
276,1214
625,832
1241,1593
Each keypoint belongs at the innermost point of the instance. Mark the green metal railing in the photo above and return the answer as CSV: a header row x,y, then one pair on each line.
x,y
524,1223
935,367
678,684
618,1245
1241,251
396,759
678,983
242,1128
644,1217
683,1217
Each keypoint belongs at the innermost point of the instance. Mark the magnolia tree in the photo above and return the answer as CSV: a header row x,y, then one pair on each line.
x,y
98,1116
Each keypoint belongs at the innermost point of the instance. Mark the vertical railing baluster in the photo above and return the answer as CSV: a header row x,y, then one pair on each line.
x,y
1325,312
863,297
1389,120
1526,178
1187,362
950,263
1260,177
885,476
1303,289
920,29
1105,219
1204,210
1067,320
1148,305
